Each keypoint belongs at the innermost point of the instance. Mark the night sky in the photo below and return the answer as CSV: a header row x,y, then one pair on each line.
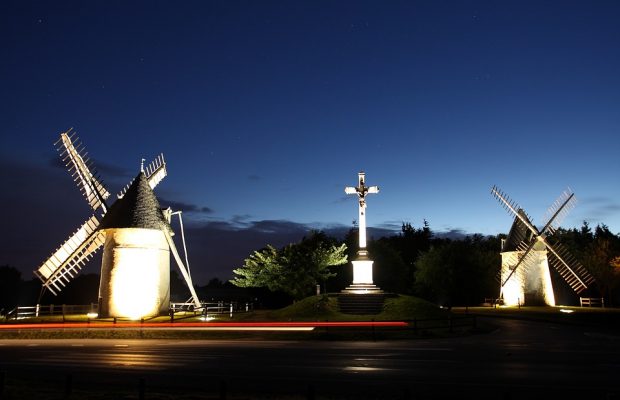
x,y
266,110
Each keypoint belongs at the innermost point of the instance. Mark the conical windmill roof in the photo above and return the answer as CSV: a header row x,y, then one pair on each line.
x,y
519,232
138,208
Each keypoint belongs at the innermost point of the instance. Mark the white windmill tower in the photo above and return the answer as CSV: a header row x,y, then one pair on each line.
x,y
135,234
528,251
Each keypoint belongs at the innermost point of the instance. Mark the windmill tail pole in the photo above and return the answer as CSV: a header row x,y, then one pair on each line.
x,y
186,276
41,293
184,245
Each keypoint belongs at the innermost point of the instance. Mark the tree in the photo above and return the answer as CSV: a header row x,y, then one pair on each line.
x,y
601,259
179,291
390,271
262,269
345,274
411,242
295,269
83,289
10,281
458,272
596,250
216,283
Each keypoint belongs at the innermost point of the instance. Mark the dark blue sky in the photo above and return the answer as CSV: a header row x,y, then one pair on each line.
x,y
266,110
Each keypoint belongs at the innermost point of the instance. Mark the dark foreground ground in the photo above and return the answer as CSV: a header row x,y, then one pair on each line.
x,y
517,359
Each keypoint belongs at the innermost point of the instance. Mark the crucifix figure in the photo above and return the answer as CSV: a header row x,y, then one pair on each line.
x,y
362,265
362,190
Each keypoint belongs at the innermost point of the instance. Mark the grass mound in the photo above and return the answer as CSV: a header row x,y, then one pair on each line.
x,y
410,307
321,308
311,308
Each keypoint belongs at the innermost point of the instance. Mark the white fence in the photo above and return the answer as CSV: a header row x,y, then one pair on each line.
x,y
592,301
52,309
220,307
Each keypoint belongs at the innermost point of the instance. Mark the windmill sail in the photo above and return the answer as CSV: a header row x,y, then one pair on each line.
x,y
558,211
156,171
518,247
69,259
76,159
575,274
521,262
513,208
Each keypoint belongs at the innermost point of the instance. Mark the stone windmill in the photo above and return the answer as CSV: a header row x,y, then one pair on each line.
x,y
135,235
528,251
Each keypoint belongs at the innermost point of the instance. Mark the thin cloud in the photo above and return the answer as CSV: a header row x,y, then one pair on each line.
x,y
599,208
596,200
220,246
241,219
278,226
452,233
395,226
185,207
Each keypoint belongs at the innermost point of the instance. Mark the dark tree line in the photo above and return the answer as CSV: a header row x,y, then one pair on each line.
x,y
459,272
414,261
464,271
16,291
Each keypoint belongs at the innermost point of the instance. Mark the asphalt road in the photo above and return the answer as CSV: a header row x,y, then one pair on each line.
x,y
519,359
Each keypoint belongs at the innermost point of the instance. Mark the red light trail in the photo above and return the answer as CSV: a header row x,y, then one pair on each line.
x,y
110,325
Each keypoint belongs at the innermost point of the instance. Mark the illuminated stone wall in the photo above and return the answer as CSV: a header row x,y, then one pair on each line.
x,y
135,273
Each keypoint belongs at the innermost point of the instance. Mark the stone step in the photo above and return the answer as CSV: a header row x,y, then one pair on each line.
x,y
362,288
360,303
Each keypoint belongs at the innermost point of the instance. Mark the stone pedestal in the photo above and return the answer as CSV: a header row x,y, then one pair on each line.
x,y
362,276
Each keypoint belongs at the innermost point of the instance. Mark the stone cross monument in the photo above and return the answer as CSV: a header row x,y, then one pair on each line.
x,y
362,190
362,265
